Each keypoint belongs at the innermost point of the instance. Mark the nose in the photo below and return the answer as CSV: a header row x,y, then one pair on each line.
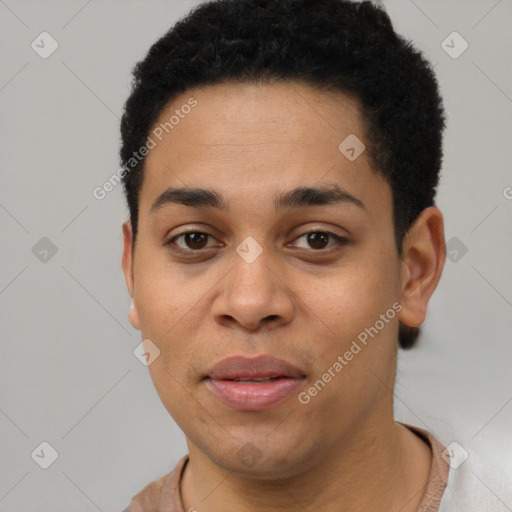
x,y
254,294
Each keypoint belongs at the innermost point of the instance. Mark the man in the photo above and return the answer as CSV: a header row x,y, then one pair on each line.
x,y
281,161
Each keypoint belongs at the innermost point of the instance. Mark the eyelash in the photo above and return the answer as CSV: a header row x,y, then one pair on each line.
x,y
340,241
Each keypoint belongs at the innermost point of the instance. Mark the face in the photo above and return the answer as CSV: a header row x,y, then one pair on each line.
x,y
300,282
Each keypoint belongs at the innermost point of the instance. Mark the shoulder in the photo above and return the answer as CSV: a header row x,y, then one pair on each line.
x,y
148,499
152,496
475,486
480,469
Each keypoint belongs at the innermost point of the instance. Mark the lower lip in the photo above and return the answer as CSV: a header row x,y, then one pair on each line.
x,y
253,396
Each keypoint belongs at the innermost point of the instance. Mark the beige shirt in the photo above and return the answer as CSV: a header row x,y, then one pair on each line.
x,y
163,495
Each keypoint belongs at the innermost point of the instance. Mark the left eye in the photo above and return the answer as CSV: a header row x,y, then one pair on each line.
x,y
319,238
197,240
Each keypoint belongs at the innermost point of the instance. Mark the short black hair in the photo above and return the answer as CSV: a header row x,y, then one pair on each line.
x,y
332,45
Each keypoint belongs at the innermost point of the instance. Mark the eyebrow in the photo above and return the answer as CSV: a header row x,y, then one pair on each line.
x,y
300,197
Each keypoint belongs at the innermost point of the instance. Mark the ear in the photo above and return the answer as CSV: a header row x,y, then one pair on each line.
x,y
127,264
423,260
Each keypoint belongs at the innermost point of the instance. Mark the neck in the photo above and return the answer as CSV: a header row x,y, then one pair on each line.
x,y
378,467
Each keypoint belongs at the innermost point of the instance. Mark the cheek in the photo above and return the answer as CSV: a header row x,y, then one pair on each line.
x,y
348,311
350,306
355,298
162,293
162,306
173,307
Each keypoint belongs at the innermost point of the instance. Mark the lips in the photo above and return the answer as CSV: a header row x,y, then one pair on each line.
x,y
260,367
252,384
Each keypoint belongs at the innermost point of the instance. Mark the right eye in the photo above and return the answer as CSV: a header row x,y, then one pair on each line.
x,y
194,240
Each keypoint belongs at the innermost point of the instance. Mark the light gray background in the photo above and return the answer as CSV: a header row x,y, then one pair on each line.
x,y
68,373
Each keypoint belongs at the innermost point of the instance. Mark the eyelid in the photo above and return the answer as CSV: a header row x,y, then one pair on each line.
x,y
170,241
339,240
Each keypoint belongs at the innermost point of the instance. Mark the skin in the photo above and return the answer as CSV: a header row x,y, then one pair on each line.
x,y
343,450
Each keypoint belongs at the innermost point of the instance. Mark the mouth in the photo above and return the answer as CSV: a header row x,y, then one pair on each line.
x,y
260,379
253,384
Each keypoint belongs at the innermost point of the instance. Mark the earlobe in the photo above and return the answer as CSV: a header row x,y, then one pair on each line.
x,y
422,265
133,316
127,265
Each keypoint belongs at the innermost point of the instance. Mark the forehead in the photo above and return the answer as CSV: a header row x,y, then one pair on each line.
x,y
248,140
229,116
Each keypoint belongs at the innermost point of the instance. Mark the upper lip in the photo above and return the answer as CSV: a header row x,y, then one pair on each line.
x,y
263,366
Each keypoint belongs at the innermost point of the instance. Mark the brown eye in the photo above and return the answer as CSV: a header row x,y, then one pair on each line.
x,y
319,240
194,240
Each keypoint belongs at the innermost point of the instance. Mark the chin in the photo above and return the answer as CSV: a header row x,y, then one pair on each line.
x,y
261,459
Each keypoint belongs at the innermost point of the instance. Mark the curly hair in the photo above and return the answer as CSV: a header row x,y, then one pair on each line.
x,y
332,45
